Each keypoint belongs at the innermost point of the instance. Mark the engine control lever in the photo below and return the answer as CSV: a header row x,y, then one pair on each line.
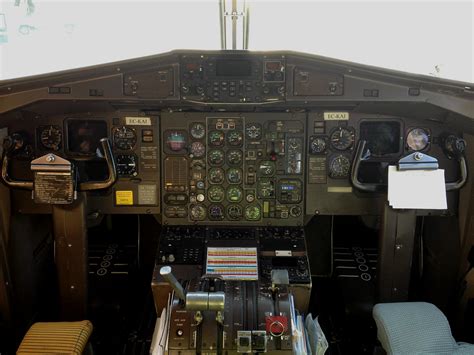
x,y
165,271
194,301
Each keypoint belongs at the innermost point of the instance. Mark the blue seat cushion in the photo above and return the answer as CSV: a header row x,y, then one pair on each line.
x,y
415,328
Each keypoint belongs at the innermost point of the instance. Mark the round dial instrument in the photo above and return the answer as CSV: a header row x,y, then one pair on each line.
x,y
253,131
234,176
253,212
342,138
266,168
418,139
234,194
266,188
50,137
234,157
216,138
198,149
339,167
235,138
216,157
176,141
216,212
198,130
126,164
318,145
216,193
198,213
234,211
216,175
124,137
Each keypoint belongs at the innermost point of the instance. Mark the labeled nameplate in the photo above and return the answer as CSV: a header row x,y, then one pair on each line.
x,y
55,188
137,121
336,116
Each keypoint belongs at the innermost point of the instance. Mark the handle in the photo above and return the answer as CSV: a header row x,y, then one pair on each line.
x,y
85,186
25,185
112,169
165,271
360,156
11,144
452,186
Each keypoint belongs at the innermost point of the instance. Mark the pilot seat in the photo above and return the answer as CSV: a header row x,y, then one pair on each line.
x,y
411,328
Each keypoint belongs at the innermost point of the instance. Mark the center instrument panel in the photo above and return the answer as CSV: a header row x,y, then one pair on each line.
x,y
233,168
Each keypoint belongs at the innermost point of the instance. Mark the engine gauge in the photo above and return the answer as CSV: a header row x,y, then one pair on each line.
x,y
234,176
216,212
234,157
342,138
126,164
235,138
253,212
198,213
198,130
125,138
418,139
339,167
318,145
234,194
50,137
216,175
198,149
234,211
216,157
216,193
216,138
253,131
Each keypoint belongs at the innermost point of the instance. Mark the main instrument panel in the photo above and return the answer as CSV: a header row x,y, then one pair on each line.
x,y
233,168
215,138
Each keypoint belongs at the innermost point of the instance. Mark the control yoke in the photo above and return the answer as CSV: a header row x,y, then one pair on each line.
x,y
194,301
55,177
454,149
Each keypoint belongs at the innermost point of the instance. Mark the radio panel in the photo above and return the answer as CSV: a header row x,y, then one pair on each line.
x,y
233,168
232,78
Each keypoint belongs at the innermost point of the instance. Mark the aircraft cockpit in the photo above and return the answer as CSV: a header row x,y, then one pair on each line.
x,y
236,201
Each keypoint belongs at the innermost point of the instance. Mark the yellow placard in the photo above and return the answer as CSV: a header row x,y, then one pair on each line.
x,y
124,198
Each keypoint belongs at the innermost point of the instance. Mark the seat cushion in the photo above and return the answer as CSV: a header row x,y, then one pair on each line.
x,y
56,338
413,328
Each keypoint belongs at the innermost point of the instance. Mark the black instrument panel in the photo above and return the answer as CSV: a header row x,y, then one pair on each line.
x,y
332,140
233,168
232,78
232,138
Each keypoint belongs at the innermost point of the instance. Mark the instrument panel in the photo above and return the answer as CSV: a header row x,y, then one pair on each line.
x,y
233,168
233,78
224,138
229,168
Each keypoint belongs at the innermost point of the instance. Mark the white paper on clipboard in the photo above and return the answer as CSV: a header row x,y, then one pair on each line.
x,y
416,189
